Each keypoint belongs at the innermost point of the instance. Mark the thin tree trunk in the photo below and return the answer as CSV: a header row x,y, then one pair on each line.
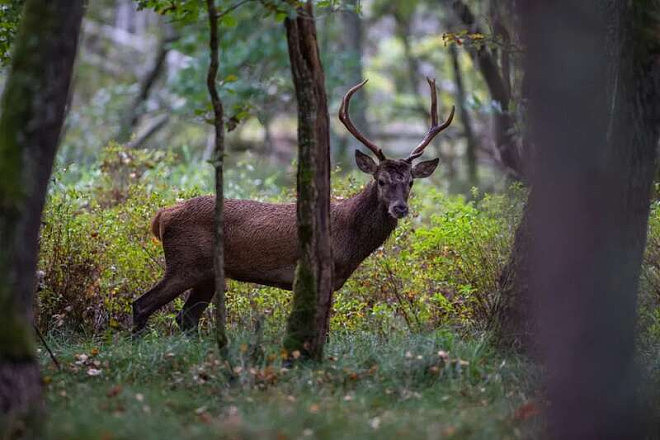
x,y
136,110
504,123
352,43
402,30
307,326
466,119
595,121
33,111
218,158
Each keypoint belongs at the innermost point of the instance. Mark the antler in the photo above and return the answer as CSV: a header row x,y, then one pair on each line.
x,y
435,128
346,120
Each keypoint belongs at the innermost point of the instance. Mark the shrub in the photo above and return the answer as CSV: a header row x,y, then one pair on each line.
x,y
440,266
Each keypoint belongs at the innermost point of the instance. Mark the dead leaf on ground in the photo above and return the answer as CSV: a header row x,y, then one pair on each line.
x,y
526,411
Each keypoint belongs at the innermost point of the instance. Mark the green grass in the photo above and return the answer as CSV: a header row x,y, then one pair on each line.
x,y
368,387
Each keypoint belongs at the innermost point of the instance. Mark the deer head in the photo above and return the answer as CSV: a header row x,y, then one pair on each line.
x,y
394,177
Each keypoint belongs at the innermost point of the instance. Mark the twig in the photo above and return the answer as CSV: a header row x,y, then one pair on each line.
x,y
232,8
43,341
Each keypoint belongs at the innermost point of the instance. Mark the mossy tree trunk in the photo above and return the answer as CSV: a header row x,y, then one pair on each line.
x,y
32,114
307,326
218,158
593,75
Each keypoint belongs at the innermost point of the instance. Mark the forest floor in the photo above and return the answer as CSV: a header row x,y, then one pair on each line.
x,y
406,386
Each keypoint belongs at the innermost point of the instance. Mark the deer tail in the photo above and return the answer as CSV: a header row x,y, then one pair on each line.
x,y
156,226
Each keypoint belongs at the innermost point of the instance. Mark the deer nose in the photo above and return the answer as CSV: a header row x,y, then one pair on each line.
x,y
400,210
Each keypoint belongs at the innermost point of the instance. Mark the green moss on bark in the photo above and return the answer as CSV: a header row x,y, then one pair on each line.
x,y
16,336
302,320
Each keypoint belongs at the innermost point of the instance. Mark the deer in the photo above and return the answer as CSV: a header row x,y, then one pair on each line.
x,y
261,242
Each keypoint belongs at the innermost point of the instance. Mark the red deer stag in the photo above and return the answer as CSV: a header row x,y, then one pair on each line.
x,y
261,243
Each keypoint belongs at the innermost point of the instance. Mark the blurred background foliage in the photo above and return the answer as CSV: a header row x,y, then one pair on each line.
x,y
141,70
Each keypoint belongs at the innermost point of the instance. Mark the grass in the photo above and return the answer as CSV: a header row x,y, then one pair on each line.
x,y
411,386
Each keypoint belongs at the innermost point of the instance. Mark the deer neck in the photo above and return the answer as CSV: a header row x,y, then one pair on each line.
x,y
369,221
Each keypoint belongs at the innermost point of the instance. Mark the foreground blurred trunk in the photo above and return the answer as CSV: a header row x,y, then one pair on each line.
x,y
593,72
33,110
218,158
307,327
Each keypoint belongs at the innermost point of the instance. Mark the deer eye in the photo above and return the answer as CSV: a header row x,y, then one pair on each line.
x,y
381,182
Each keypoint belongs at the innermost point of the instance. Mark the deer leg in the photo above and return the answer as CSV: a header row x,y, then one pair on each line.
x,y
199,298
163,292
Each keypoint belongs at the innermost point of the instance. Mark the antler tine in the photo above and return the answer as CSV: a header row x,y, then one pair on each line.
x,y
435,128
346,120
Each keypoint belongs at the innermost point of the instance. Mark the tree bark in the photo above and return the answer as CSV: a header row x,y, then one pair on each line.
x,y
308,323
593,73
33,111
218,158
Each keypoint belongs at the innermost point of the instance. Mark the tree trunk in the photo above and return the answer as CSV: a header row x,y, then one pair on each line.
x,y
595,120
352,43
511,321
132,115
218,158
307,326
471,151
503,122
33,111
402,30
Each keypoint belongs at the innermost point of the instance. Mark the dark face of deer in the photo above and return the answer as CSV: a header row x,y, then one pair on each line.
x,y
394,179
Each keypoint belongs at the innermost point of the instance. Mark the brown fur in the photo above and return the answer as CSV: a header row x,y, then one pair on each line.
x,y
155,224
261,243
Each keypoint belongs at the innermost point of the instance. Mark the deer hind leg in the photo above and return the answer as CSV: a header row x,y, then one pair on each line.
x,y
162,293
199,298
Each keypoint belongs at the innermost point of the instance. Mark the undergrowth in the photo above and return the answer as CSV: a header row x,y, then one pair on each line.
x,y
404,386
408,355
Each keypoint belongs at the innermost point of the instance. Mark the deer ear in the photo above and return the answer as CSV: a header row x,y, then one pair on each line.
x,y
424,169
365,163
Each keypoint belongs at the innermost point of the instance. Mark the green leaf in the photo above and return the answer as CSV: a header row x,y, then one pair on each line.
x,y
242,115
228,20
231,78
